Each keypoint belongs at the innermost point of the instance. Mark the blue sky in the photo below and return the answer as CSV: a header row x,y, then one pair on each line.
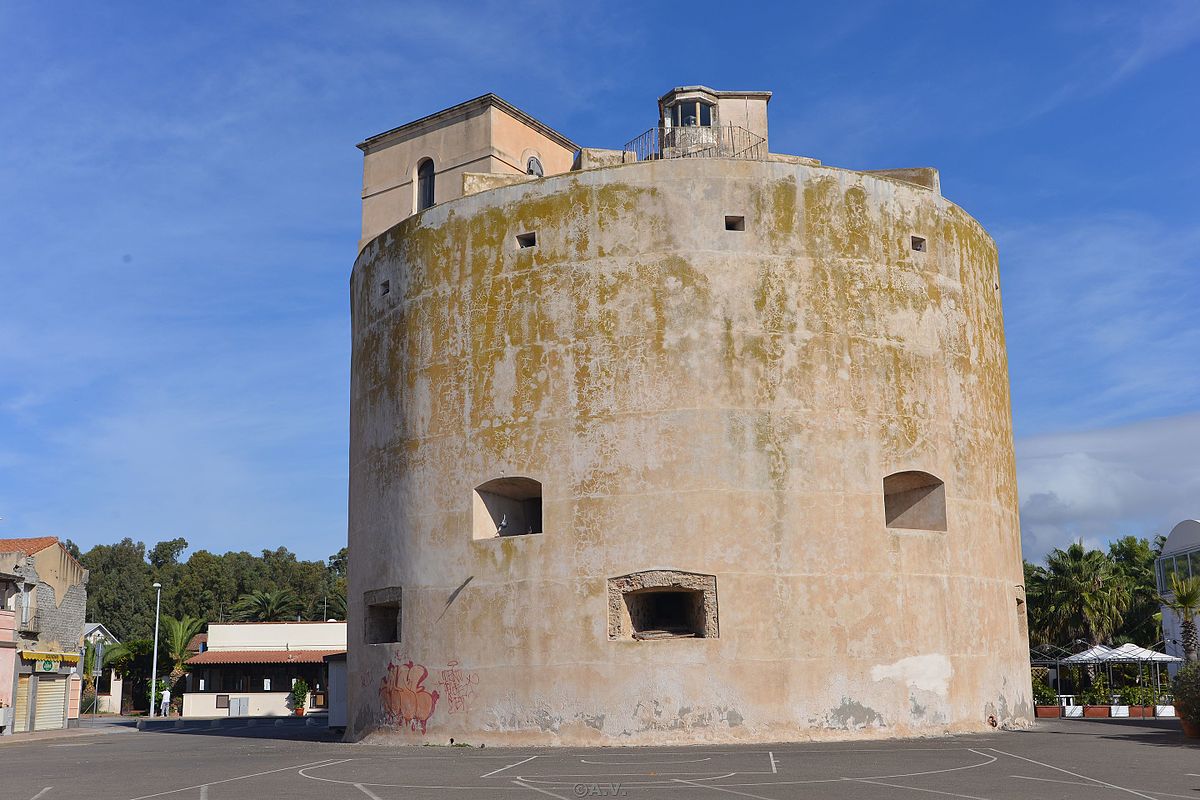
x,y
180,195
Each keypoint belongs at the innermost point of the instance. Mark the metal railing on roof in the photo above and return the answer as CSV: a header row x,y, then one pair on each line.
x,y
718,141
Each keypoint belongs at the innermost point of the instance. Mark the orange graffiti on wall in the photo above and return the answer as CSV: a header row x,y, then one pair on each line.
x,y
406,701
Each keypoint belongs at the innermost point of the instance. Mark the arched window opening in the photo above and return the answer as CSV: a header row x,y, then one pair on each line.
x,y
534,167
507,507
425,175
914,500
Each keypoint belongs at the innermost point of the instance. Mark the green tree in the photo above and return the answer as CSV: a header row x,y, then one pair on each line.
x,y
268,606
1133,559
1079,595
119,592
132,660
176,634
208,587
1184,600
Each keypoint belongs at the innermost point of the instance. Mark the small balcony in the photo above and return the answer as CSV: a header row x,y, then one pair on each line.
x,y
33,625
698,141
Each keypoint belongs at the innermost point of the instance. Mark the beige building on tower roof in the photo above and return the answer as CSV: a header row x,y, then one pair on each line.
x,y
682,440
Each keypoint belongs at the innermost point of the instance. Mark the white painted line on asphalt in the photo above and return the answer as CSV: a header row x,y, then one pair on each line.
x,y
536,789
1093,786
79,744
367,792
916,789
644,763
1133,792
228,780
589,777
510,766
42,792
204,792
774,763
720,789
990,760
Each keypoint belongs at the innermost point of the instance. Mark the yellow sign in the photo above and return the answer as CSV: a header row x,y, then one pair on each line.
x,y
49,662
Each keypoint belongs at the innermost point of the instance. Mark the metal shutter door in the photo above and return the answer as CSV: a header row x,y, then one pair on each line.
x,y
21,707
51,704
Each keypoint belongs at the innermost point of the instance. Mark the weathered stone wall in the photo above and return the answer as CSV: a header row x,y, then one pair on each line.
x,y
692,399
61,622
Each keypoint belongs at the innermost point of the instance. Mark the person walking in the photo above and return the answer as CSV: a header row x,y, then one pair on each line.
x,y
166,703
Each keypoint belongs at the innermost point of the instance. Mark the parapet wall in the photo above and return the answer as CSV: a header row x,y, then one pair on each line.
x,y
710,367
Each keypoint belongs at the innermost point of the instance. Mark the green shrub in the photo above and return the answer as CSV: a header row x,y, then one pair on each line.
x,y
1043,695
1138,696
1186,687
1098,694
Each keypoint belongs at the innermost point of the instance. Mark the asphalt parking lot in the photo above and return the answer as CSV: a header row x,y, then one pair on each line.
x,y
1093,759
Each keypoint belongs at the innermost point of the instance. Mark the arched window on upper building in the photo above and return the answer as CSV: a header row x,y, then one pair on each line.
x,y
534,167
915,500
425,194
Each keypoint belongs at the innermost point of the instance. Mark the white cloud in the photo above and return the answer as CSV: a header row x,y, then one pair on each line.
x,y
1101,320
1138,479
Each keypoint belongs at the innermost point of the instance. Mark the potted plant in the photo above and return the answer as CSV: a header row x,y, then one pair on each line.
x,y
1097,700
1186,687
299,696
1045,701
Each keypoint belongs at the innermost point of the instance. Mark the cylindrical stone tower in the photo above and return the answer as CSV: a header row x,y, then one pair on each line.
x,y
702,449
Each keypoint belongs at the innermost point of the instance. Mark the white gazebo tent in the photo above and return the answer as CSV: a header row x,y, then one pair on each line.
x,y
1125,654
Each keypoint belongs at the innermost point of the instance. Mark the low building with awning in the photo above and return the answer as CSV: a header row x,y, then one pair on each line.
x,y
43,596
249,668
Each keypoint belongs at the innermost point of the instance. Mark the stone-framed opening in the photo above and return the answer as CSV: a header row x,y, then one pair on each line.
x,y
382,620
914,500
506,507
662,604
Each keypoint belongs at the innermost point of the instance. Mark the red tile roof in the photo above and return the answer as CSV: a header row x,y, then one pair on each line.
x,y
193,646
260,657
28,545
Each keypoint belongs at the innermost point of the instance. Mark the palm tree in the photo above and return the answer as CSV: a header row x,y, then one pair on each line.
x,y
1079,595
177,634
1185,601
266,606
331,605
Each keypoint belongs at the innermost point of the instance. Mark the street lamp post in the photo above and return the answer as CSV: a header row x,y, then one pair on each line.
x,y
154,663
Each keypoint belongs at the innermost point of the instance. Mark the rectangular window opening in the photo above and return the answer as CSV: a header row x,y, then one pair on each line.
x,y
918,244
735,223
385,287
510,506
667,613
383,616
527,240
